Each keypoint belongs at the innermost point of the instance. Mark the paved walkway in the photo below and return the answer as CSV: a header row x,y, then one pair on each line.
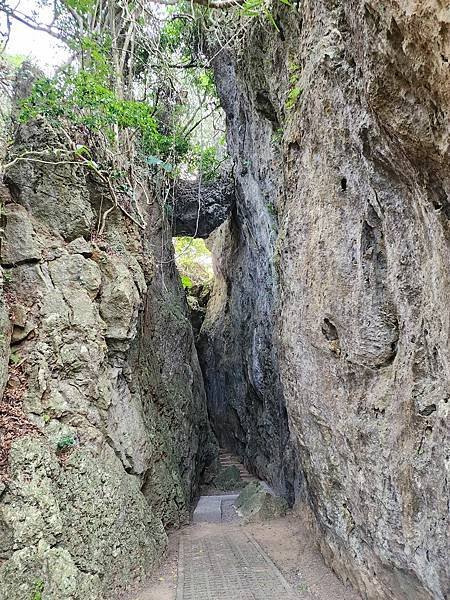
x,y
227,565
217,558
215,509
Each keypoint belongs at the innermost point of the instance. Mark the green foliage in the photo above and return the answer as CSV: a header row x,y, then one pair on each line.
x,y
253,8
38,589
179,36
171,35
256,8
204,161
14,60
81,99
83,7
203,79
8,277
15,358
277,135
96,55
174,145
295,90
293,96
172,128
193,260
272,209
66,442
186,282
155,161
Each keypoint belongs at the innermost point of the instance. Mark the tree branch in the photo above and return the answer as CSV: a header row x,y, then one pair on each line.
x,y
219,4
25,20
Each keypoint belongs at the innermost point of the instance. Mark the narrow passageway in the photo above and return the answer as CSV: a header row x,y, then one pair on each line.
x,y
220,556
224,284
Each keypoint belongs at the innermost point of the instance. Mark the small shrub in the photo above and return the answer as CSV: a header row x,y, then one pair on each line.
x,y
66,442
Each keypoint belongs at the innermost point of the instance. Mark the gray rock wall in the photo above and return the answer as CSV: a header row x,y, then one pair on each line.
x,y
104,413
236,343
333,273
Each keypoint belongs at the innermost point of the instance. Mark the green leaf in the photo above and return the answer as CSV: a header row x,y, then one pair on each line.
x,y
66,441
293,96
154,160
82,151
186,282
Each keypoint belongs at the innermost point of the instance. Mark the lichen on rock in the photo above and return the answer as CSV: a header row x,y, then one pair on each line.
x,y
115,435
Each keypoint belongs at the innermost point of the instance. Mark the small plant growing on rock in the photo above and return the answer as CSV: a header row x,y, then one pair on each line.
x,y
295,91
14,358
65,443
186,282
7,276
38,589
272,209
277,136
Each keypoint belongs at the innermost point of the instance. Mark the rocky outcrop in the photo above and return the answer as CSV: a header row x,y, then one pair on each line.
x,y
104,414
197,208
257,503
237,344
333,278
197,298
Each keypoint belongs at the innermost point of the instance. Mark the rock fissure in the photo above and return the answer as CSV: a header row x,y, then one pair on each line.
x,y
319,356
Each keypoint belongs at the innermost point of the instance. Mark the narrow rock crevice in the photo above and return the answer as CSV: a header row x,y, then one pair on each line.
x,y
318,355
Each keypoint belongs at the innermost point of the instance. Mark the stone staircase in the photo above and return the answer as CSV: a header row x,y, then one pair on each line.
x,y
226,459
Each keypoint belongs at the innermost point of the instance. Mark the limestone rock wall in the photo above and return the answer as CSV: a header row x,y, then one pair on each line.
x,y
333,273
104,414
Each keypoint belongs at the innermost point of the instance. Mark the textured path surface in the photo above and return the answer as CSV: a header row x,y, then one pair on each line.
x,y
218,558
227,565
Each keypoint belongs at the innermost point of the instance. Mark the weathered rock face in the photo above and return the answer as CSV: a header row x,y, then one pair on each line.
x,y
236,349
198,208
236,345
333,271
104,408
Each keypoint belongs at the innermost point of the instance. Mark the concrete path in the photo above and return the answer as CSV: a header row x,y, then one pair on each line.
x,y
227,565
215,509
218,558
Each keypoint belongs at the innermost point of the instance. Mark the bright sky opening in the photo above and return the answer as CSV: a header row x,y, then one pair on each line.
x,y
37,46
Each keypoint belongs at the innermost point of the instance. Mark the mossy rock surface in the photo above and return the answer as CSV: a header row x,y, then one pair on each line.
x,y
229,478
256,504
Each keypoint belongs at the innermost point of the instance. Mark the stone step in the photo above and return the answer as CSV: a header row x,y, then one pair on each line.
x,y
209,508
227,459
